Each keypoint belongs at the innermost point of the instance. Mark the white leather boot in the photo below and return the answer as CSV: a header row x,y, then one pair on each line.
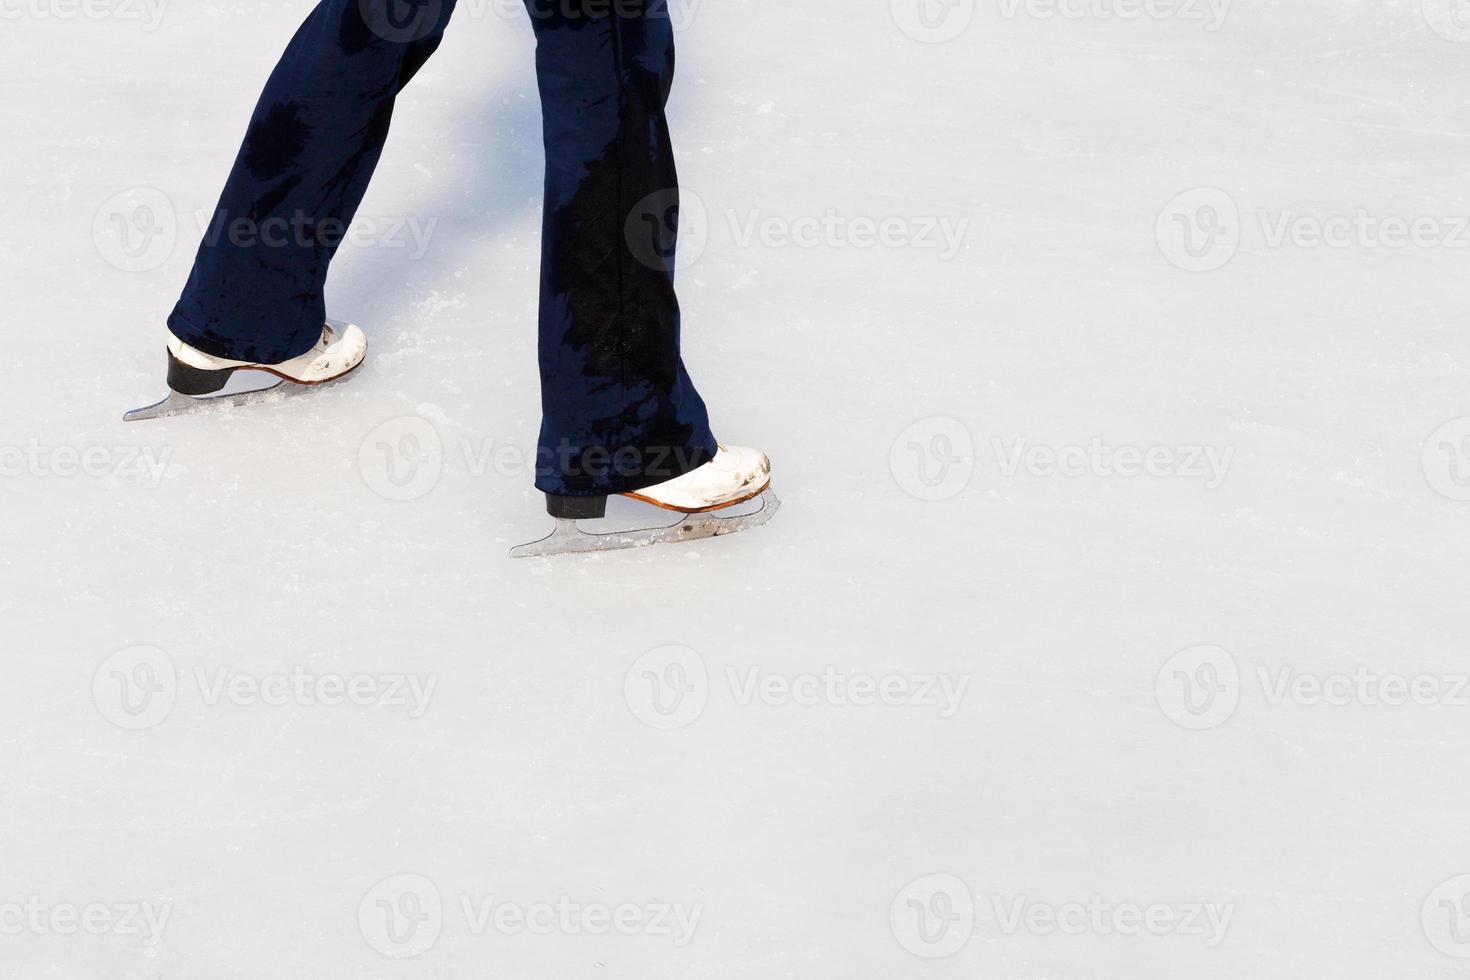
x,y
735,475
701,497
196,380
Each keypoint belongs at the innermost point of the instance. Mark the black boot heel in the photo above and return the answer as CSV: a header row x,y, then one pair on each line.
x,y
194,381
576,508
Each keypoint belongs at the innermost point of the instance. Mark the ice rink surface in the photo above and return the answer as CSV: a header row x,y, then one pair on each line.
x,y
1112,358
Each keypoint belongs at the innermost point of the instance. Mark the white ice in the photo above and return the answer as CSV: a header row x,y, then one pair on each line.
x,y
1132,739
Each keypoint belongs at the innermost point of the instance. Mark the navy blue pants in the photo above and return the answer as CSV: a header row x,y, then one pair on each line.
x,y
619,410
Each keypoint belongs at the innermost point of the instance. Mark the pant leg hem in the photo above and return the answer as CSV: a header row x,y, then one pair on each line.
x,y
217,346
690,458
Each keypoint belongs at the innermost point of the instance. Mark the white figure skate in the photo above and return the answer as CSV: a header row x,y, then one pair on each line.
x,y
197,380
702,496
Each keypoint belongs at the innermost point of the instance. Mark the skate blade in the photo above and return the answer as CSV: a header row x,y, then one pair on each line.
x,y
177,404
569,539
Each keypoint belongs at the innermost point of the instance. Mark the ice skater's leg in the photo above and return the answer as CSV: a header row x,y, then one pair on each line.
x,y
619,410
256,290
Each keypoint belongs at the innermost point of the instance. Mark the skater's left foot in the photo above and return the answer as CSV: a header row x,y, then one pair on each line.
x,y
341,348
197,380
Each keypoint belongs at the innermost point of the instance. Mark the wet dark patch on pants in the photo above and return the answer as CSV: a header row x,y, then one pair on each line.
x,y
289,133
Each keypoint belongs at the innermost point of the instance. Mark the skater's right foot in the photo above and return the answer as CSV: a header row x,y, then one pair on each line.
x,y
341,348
703,496
735,475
